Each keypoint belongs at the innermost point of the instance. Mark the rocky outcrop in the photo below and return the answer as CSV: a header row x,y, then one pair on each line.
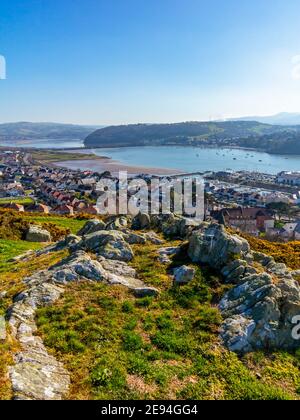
x,y
165,254
91,226
37,234
141,221
258,311
37,375
174,226
108,244
212,245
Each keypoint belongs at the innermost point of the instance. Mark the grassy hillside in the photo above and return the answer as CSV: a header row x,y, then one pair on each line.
x,y
189,133
118,347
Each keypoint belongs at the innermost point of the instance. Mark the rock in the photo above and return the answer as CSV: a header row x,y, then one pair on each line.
x,y
91,226
2,329
259,314
212,245
184,274
108,244
38,234
234,271
23,257
262,259
164,254
37,375
118,223
141,292
141,221
296,274
153,238
134,239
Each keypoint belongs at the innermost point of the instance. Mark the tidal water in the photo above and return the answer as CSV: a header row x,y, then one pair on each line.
x,y
197,159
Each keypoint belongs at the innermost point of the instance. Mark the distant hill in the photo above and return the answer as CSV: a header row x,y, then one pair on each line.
x,y
32,131
250,134
284,118
196,133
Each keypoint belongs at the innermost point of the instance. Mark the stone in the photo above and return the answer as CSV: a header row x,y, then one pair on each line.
x,y
153,238
134,239
164,254
141,292
259,314
36,374
184,274
119,223
109,244
38,234
141,221
23,257
234,271
91,226
212,245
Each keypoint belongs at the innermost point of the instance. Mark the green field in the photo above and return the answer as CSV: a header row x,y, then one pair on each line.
x,y
67,223
10,249
26,200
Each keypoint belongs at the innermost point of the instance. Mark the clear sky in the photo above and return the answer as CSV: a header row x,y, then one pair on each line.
x,y
127,61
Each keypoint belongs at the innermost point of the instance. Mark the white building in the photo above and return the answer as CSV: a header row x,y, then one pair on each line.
x,y
289,178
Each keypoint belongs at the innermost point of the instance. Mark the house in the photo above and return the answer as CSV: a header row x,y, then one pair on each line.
x,y
91,210
288,178
291,231
64,210
38,208
251,220
15,207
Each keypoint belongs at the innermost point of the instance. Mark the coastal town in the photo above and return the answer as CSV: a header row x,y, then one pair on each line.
x,y
258,204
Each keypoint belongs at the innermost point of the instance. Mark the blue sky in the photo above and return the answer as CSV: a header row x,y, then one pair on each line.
x,y
126,61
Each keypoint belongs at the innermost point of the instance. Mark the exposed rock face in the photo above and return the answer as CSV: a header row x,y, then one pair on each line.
x,y
91,226
119,223
184,274
164,254
258,312
153,238
212,245
174,226
141,221
36,374
38,234
108,244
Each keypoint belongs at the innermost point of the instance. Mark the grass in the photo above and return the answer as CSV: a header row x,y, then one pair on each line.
x,y
60,156
22,201
119,347
10,249
71,224
11,276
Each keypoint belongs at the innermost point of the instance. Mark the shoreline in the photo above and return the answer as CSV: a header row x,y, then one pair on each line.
x,y
103,164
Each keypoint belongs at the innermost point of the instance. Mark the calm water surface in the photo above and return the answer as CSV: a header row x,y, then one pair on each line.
x,y
194,159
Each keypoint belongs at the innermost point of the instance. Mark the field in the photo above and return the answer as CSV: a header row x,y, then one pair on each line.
x,y
23,200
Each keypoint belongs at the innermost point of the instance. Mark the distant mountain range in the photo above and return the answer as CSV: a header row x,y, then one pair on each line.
x,y
38,131
283,118
251,134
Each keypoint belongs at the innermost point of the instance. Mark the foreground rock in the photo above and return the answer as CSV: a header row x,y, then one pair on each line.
x,y
212,245
259,310
184,274
91,226
36,374
38,234
108,244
